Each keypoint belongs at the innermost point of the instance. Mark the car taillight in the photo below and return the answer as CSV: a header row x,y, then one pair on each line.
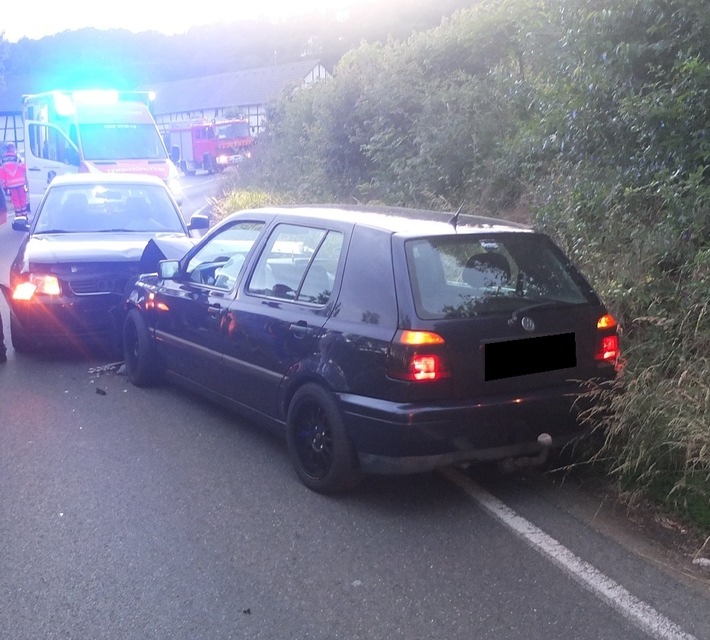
x,y
417,356
608,349
608,344
37,284
606,322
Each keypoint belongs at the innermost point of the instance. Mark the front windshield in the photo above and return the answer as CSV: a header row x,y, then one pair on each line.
x,y
232,130
108,207
121,142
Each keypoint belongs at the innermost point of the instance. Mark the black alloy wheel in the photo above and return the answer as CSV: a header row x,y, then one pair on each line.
x,y
318,444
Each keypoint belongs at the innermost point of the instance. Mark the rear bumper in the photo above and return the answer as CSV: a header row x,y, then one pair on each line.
x,y
409,438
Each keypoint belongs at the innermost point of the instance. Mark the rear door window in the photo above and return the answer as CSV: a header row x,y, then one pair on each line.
x,y
298,264
473,275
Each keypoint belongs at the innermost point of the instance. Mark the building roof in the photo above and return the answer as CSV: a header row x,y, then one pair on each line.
x,y
231,89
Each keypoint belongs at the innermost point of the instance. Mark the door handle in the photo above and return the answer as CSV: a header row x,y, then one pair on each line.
x,y
300,329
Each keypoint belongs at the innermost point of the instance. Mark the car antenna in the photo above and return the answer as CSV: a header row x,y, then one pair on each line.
x,y
454,220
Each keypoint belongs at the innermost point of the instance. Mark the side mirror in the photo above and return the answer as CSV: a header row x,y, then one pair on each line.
x,y
198,221
175,154
167,269
21,223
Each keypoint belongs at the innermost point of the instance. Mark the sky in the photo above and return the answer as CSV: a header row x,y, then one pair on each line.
x,y
46,17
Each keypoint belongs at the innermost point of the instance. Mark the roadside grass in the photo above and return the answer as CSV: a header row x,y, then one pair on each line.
x,y
653,439
238,199
686,496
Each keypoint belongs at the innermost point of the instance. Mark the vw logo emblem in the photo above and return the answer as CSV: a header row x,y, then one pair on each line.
x,y
528,323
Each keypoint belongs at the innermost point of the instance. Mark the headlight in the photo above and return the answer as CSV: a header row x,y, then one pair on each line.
x,y
37,284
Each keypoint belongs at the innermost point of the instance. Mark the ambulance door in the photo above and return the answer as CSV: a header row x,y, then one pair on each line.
x,y
48,153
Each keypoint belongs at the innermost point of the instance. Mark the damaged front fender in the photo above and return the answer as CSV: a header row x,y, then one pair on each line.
x,y
159,249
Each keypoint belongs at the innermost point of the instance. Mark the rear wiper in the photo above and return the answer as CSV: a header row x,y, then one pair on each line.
x,y
530,307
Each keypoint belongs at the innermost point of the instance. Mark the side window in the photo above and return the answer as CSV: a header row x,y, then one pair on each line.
x,y
49,143
73,135
318,282
219,261
299,264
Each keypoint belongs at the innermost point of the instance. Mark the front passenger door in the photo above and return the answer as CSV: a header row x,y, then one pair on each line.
x,y
191,309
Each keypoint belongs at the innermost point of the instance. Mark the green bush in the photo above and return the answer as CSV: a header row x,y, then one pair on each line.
x,y
236,199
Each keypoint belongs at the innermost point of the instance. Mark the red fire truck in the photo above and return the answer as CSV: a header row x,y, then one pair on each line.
x,y
211,146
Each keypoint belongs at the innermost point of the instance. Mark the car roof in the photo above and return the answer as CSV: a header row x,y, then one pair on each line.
x,y
105,178
398,220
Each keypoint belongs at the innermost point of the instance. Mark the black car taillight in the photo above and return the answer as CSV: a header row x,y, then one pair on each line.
x,y
607,350
417,356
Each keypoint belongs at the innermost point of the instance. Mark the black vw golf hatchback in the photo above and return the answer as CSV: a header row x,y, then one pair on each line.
x,y
379,341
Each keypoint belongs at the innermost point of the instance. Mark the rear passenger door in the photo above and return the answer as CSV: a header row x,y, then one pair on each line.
x,y
279,313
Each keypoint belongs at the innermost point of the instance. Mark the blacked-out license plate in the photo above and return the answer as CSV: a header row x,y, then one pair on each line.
x,y
530,355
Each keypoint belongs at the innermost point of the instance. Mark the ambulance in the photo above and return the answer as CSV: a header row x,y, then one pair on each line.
x,y
101,131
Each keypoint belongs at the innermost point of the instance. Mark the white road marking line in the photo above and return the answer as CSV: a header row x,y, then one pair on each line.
x,y
606,589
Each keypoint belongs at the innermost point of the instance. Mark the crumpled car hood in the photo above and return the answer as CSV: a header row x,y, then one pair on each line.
x,y
97,247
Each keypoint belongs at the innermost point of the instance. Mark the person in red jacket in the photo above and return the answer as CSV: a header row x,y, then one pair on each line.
x,y
3,207
13,177
3,218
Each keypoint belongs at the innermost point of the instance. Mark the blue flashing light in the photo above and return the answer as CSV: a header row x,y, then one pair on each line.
x,y
63,104
95,96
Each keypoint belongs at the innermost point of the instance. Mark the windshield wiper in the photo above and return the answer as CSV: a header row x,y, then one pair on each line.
x,y
39,233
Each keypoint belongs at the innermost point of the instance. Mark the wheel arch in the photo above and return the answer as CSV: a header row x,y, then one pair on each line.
x,y
314,369
291,384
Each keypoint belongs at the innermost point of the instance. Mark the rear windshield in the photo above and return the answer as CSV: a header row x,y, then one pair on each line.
x,y
473,275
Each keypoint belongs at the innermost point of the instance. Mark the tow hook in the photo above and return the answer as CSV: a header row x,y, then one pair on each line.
x,y
511,465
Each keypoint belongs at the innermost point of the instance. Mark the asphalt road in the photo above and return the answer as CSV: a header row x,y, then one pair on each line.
x,y
132,513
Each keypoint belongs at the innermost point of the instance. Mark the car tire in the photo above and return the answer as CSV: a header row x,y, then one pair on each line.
x,y
142,366
20,342
318,444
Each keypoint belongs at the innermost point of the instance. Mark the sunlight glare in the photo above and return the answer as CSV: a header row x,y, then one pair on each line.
x,y
160,16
